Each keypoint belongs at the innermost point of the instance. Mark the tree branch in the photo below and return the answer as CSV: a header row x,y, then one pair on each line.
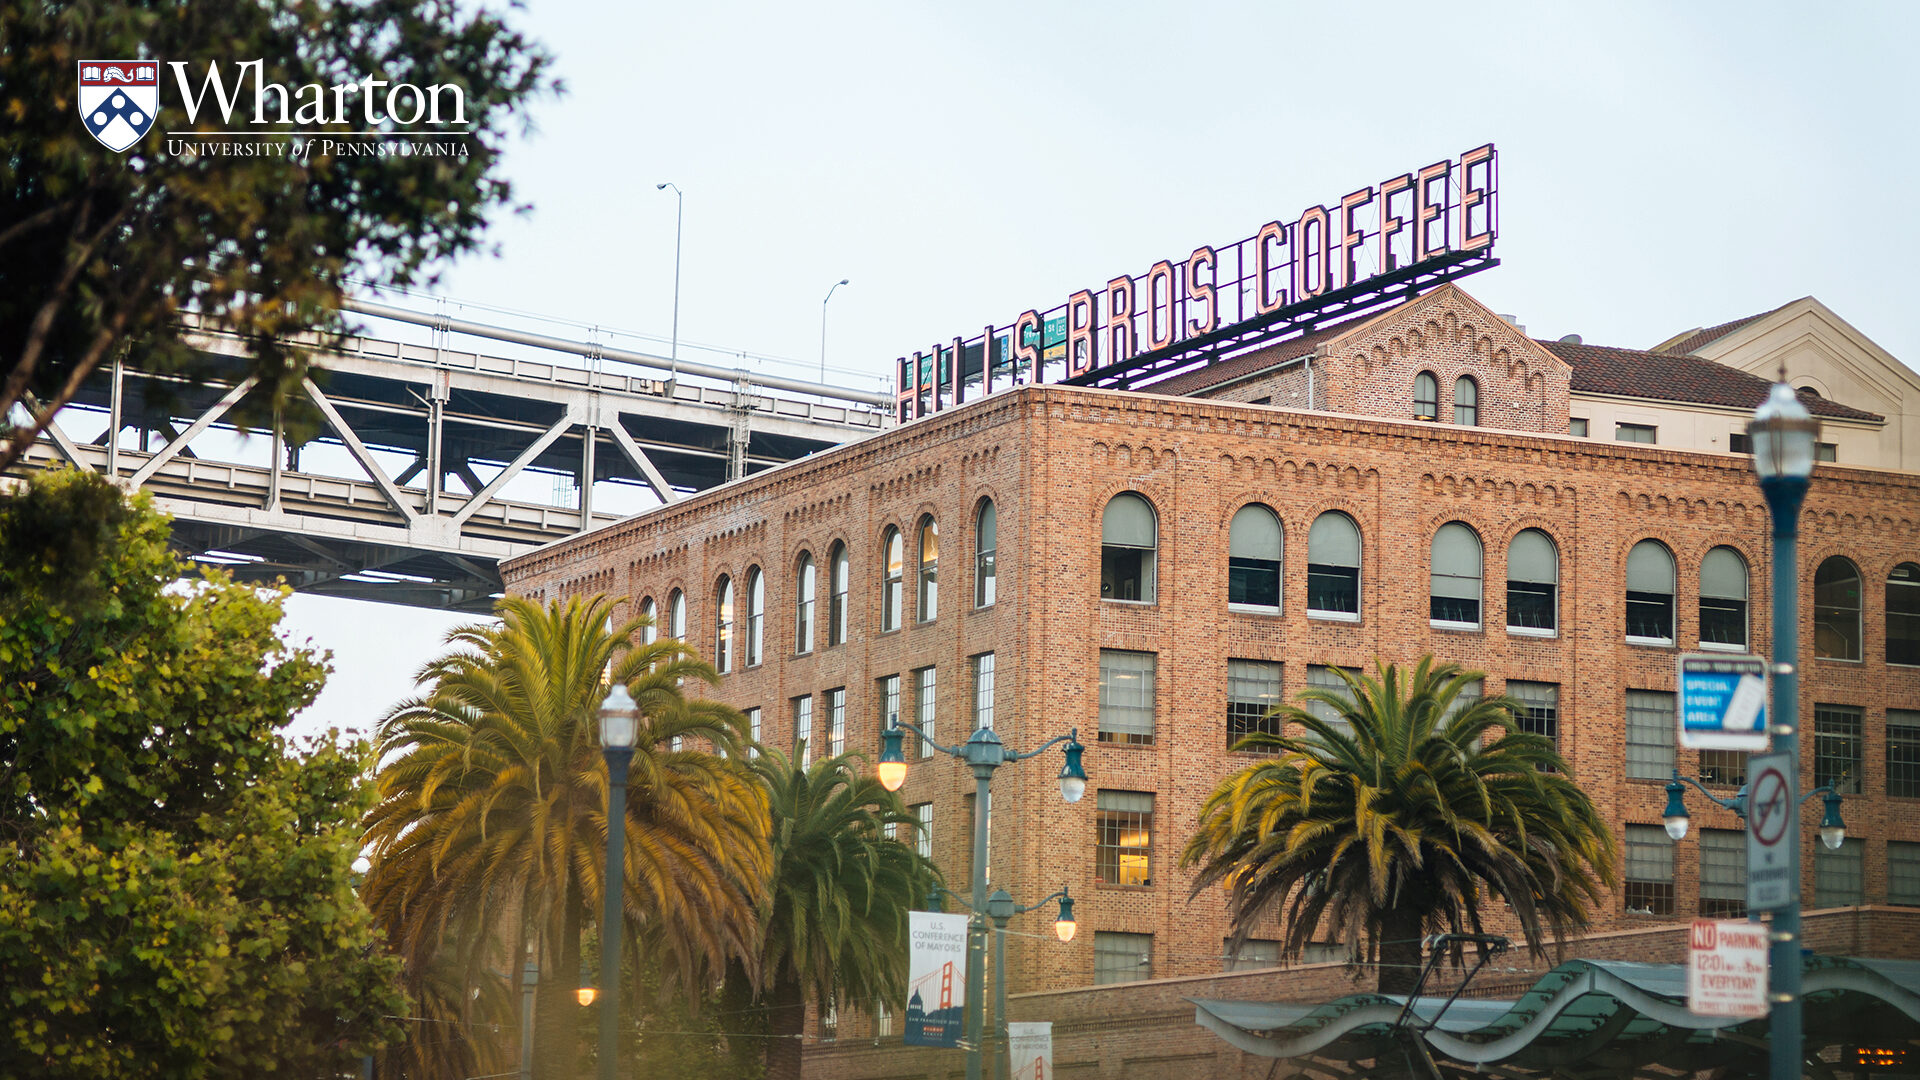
x,y
33,221
42,323
17,445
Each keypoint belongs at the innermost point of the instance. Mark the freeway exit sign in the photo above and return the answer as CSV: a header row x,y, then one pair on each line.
x,y
1723,702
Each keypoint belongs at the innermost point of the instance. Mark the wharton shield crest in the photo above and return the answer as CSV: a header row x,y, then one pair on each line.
x,y
119,99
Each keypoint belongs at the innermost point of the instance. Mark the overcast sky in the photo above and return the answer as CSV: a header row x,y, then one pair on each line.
x,y
1662,167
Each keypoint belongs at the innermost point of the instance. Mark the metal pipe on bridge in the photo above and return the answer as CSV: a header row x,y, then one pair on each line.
x,y
544,341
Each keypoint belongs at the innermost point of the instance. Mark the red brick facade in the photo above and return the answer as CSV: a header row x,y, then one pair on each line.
x,y
1051,458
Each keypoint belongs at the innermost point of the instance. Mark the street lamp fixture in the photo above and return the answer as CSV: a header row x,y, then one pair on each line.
x,y
679,214
1001,908
823,328
1833,831
619,733
983,753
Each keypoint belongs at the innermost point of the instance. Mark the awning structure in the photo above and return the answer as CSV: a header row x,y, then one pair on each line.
x,y
1585,1018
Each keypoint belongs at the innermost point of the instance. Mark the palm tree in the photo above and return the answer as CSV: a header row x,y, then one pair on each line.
x,y
835,919
492,811
1406,814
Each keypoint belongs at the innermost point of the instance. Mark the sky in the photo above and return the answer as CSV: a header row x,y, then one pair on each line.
x,y
1662,167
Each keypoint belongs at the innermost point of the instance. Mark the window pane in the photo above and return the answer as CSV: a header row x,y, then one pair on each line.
x,y
1119,958
1532,557
1426,396
889,704
1903,754
1903,614
986,542
1323,677
1650,568
1126,696
803,606
983,691
925,691
1333,565
1836,610
1455,581
756,615
1128,537
1466,402
1532,606
1334,541
837,721
803,730
1839,877
1649,870
1540,707
1723,874
1253,688
1837,747
929,595
1903,872
1123,853
1650,735
1253,558
891,591
1726,768
923,829
837,617
1128,522
1253,954
753,733
1640,433
723,626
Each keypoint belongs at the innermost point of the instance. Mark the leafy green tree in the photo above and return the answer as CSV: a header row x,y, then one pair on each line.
x,y
99,250
490,833
176,888
834,926
1403,816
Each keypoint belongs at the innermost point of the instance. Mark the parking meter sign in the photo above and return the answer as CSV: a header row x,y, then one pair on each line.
x,y
1772,791
1723,702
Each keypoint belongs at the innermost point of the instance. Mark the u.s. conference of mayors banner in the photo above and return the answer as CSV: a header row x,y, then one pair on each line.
x,y
1030,1050
936,978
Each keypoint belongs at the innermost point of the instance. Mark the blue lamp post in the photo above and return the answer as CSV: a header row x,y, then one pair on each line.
x,y
1001,908
1783,435
984,753
619,731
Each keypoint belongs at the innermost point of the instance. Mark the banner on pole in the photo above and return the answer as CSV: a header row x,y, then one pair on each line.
x,y
1030,1050
936,978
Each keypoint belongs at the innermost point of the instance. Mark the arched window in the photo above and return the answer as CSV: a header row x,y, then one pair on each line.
x,y
1333,567
892,588
1836,610
1426,396
986,541
756,615
1466,402
837,612
1533,584
650,632
1129,539
1454,598
803,605
1254,545
929,577
1903,615
1650,577
677,616
1723,600
723,625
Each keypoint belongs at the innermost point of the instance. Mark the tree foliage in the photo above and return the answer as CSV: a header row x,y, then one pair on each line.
x,y
490,832
176,890
1406,815
98,249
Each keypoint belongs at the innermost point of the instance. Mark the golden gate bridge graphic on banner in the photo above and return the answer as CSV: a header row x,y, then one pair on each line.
x,y
939,1025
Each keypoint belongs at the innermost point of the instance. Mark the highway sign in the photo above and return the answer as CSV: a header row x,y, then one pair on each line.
x,y
1773,790
1723,702
1727,969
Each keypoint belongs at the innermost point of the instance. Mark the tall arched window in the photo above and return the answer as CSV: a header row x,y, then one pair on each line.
x,y
1129,541
723,625
1836,610
1254,546
1650,577
1466,402
892,588
677,616
651,631
1723,600
1333,567
1903,615
1533,584
1454,597
837,609
986,542
1426,396
803,604
929,577
756,615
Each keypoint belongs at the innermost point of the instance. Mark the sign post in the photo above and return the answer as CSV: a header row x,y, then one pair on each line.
x,y
1773,881
1723,702
1727,969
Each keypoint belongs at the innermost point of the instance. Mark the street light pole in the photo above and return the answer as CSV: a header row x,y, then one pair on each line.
x,y
1000,908
823,328
1783,435
619,731
984,753
679,209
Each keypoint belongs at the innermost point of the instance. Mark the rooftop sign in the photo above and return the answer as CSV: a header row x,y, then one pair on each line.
x,y
1373,247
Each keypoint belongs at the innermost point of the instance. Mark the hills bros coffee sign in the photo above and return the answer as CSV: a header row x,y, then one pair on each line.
x,y
1371,248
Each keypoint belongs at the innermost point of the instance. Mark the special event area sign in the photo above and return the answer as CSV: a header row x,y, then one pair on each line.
x,y
936,978
1408,230
1723,702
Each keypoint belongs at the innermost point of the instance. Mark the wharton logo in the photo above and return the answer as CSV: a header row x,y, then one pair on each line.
x,y
119,100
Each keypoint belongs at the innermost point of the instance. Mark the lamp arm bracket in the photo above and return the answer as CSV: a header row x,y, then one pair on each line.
x,y
1724,804
1823,789
1040,904
950,751
1041,749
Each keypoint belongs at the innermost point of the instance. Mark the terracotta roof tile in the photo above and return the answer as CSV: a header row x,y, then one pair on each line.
x,y
1666,376
1700,338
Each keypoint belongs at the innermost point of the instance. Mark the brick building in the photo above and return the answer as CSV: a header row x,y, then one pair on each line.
x,y
1156,569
